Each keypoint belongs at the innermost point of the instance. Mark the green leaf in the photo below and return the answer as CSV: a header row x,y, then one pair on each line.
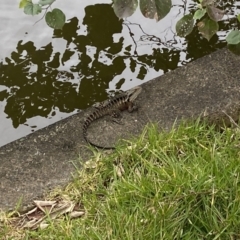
x,y
163,8
23,3
214,13
124,8
55,19
32,9
233,37
199,13
234,48
207,27
45,2
184,26
155,9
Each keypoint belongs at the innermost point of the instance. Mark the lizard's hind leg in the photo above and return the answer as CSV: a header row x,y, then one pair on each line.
x,y
116,117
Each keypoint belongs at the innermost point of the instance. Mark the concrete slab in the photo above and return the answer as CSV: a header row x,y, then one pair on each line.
x,y
43,160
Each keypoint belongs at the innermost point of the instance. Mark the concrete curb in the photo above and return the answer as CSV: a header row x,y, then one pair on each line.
x,y
42,160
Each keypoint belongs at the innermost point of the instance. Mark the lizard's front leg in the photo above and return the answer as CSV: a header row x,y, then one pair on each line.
x,y
132,107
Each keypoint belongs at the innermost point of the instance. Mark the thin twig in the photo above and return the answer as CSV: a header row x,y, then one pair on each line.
x,y
231,120
46,9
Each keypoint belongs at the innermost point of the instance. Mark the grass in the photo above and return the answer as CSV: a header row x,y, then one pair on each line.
x,y
182,184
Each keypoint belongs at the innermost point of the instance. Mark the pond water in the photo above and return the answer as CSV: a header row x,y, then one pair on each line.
x,y
47,75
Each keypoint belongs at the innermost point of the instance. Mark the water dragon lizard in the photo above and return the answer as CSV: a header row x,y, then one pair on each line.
x,y
112,107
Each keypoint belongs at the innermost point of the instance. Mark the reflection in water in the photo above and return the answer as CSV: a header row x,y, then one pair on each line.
x,y
36,86
36,80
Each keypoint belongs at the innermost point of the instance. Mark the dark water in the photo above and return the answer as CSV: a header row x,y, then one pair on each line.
x,y
46,75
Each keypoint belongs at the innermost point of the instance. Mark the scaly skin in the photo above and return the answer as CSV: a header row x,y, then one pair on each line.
x,y
119,103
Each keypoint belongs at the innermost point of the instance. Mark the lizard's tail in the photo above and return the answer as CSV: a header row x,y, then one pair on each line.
x,y
86,124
